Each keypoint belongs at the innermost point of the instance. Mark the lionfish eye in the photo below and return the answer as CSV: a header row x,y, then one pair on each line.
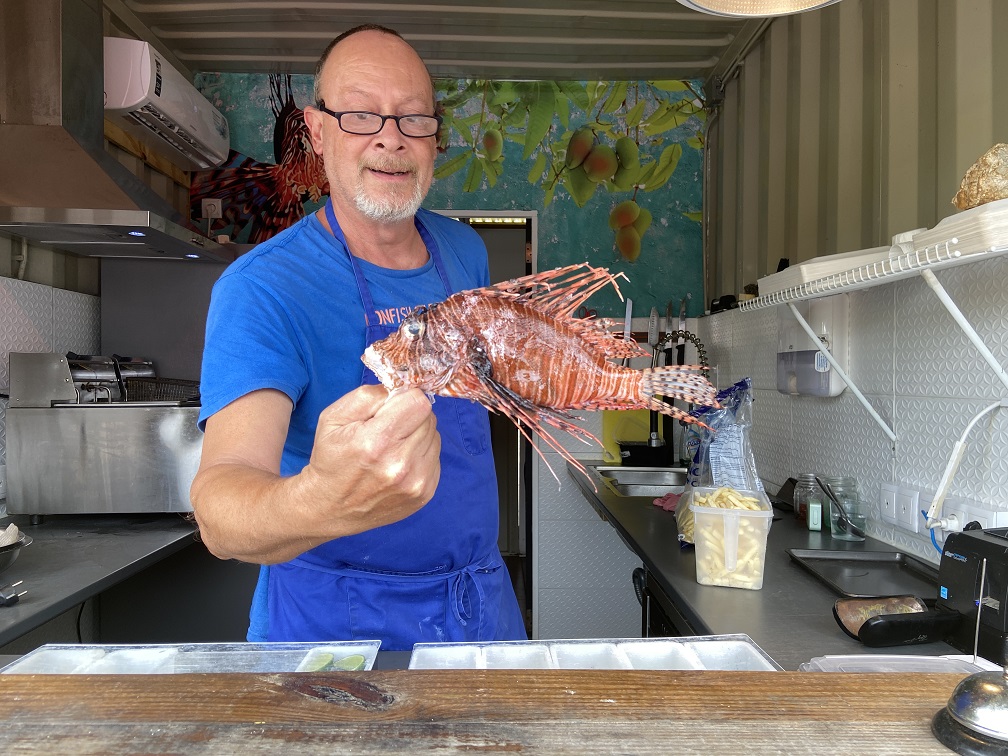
x,y
414,327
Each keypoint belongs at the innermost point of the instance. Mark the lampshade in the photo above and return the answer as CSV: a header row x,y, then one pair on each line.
x,y
747,8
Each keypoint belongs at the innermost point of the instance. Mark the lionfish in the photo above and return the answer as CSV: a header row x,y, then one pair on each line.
x,y
517,349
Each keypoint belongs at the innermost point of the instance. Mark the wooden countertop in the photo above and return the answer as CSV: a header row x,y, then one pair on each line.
x,y
450,711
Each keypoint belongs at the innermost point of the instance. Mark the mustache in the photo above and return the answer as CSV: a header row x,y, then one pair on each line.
x,y
387,165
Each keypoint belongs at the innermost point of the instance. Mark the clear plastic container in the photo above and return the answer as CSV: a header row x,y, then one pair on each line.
x,y
731,543
723,652
897,663
66,659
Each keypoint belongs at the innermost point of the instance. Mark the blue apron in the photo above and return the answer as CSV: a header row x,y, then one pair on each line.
x,y
330,594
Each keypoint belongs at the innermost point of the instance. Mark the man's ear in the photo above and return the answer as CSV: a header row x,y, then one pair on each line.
x,y
313,120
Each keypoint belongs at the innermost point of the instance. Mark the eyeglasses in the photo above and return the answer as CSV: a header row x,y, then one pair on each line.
x,y
361,122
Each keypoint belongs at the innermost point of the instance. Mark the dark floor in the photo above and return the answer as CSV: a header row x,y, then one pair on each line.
x,y
516,567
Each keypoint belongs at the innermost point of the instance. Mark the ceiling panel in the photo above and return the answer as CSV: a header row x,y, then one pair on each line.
x,y
552,39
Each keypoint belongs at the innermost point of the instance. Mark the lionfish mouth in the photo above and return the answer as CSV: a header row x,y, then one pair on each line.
x,y
390,379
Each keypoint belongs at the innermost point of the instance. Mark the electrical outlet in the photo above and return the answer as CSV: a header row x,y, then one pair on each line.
x,y
908,510
975,514
887,503
954,507
213,209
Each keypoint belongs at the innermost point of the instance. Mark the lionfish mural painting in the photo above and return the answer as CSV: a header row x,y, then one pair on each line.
x,y
263,197
517,349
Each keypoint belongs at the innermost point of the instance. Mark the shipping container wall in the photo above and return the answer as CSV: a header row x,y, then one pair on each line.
x,y
842,128
845,126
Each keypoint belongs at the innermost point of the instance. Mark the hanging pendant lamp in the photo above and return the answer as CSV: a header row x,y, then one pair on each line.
x,y
755,8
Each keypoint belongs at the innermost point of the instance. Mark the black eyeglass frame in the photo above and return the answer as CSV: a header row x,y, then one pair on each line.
x,y
338,115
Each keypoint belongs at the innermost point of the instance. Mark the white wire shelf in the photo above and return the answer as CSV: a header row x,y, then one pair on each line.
x,y
922,262
937,257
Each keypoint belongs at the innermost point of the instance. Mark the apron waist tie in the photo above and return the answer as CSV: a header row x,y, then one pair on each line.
x,y
458,581
458,594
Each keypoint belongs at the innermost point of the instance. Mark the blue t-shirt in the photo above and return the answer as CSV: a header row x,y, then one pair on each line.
x,y
288,316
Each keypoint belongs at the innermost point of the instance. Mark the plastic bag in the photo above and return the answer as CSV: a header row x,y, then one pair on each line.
x,y
722,455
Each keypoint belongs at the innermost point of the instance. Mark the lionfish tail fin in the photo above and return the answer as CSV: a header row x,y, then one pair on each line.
x,y
677,382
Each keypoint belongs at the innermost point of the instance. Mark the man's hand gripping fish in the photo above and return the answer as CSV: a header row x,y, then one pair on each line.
x,y
517,349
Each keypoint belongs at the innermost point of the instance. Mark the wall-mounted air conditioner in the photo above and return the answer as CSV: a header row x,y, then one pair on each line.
x,y
158,105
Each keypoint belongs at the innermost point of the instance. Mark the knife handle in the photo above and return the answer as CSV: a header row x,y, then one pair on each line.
x,y
905,629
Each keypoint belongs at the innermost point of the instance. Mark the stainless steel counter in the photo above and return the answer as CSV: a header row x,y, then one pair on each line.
x,y
75,557
790,618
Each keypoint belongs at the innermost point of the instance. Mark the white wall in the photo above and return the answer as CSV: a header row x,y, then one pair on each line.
x,y
920,374
39,318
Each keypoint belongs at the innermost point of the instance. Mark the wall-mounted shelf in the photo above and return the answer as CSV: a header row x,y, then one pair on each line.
x,y
940,256
921,262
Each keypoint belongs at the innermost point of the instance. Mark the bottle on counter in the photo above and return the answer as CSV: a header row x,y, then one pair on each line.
x,y
806,492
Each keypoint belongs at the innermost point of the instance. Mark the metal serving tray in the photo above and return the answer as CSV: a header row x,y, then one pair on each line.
x,y
867,574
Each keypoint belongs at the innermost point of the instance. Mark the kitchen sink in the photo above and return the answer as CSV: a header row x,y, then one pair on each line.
x,y
651,482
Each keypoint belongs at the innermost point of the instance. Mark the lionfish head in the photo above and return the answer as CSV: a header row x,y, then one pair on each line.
x,y
412,357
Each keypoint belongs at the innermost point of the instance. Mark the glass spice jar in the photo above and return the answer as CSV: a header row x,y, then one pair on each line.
x,y
806,492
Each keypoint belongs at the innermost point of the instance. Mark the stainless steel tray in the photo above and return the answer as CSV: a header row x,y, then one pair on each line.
x,y
865,574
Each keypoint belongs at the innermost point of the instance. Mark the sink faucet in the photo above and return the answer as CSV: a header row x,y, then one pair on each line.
x,y
653,438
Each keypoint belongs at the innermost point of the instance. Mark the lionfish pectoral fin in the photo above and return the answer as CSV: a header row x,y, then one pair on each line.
x,y
522,412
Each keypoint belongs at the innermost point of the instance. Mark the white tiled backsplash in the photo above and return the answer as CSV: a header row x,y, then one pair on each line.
x,y
37,318
918,370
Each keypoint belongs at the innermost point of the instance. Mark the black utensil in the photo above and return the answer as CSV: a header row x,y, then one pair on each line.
x,y
843,519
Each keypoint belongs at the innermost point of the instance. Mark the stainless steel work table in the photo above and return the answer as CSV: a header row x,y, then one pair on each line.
x,y
75,557
791,617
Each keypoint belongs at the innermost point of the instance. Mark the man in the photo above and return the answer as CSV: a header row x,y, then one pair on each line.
x,y
376,514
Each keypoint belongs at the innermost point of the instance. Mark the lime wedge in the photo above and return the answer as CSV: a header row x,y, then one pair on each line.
x,y
350,663
320,662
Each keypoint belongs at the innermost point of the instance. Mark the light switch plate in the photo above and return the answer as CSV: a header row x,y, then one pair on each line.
x,y
887,503
908,509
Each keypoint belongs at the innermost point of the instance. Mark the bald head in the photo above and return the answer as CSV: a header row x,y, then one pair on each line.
x,y
358,38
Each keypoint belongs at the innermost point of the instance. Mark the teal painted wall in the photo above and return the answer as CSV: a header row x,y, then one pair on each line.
x,y
666,120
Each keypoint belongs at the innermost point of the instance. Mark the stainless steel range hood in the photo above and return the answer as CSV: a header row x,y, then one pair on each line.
x,y
59,187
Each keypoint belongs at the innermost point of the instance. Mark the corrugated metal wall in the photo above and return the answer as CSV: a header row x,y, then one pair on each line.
x,y
844,126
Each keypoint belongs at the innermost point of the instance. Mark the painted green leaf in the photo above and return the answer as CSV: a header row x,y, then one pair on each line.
x,y
595,91
505,93
580,187
490,170
695,142
562,108
695,216
673,118
474,177
666,167
633,116
616,97
670,85
576,92
538,168
647,171
452,165
540,119
548,194
454,99
527,91
515,117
